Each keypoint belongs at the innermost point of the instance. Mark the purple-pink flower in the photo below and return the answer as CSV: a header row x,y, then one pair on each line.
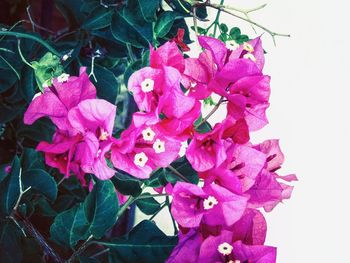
x,y
211,205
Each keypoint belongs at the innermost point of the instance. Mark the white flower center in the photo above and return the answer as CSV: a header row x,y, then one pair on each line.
x,y
225,249
210,202
193,84
147,85
159,146
65,57
104,136
98,153
148,134
232,45
183,148
63,78
248,47
140,159
250,56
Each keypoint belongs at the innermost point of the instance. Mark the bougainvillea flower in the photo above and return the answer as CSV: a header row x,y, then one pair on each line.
x,y
179,39
252,50
212,205
267,190
223,177
94,119
198,73
208,150
169,55
245,162
158,90
60,152
58,99
187,249
251,228
140,150
222,249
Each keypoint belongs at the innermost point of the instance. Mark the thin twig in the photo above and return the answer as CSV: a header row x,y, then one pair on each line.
x,y
176,172
216,107
227,10
35,25
80,250
156,213
195,20
21,55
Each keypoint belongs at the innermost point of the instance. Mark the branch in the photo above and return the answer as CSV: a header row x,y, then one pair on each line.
x,y
227,9
216,107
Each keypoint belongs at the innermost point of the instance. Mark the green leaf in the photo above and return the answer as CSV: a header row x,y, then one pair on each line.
x,y
145,241
107,85
185,168
70,226
101,208
164,23
47,68
235,32
148,206
10,189
10,249
27,84
223,28
242,39
126,184
148,8
201,30
40,181
127,31
98,19
94,217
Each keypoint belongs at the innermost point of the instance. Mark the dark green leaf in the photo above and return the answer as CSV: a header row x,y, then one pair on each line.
x,y
185,168
145,243
164,23
147,8
101,208
242,38
40,181
148,206
107,85
100,18
10,249
126,184
127,31
223,28
235,32
10,189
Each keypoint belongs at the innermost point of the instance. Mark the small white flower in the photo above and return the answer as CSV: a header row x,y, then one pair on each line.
x,y
232,45
104,136
140,159
98,153
225,249
159,146
147,85
248,47
183,148
148,134
63,78
210,202
193,84
65,57
250,56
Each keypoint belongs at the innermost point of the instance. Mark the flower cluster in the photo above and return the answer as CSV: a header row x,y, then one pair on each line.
x,y
219,220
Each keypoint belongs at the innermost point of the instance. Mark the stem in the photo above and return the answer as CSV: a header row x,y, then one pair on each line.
x,y
216,107
21,54
216,21
195,20
100,253
178,173
35,38
130,53
156,213
227,10
80,250
167,201
21,192
13,69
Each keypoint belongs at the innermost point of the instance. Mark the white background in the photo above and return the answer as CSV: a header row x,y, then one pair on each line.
x,y
309,112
